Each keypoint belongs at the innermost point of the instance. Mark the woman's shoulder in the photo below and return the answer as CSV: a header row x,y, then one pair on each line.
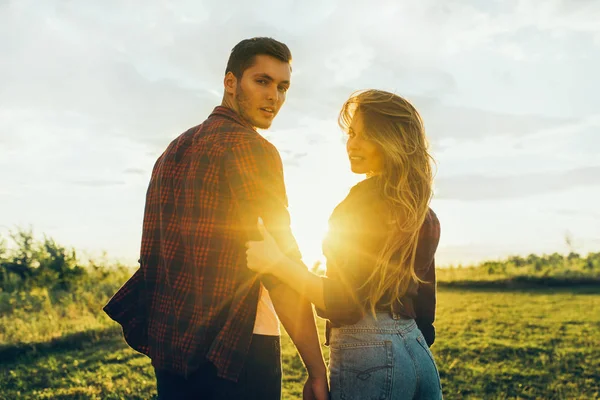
x,y
431,225
432,217
363,201
368,188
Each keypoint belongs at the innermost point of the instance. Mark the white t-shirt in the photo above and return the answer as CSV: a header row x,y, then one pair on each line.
x,y
267,322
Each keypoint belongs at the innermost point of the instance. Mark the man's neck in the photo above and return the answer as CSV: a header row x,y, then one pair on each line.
x,y
227,102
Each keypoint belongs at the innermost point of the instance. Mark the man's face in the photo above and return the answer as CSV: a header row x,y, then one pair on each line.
x,y
261,91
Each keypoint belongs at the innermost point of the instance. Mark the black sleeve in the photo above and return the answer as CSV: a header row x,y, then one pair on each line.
x,y
342,306
425,304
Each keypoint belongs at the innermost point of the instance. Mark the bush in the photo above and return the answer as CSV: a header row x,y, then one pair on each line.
x,y
32,263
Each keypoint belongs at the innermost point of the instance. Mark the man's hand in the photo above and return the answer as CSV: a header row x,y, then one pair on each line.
x,y
316,388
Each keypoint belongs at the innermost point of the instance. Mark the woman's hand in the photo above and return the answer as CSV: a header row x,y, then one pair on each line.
x,y
263,256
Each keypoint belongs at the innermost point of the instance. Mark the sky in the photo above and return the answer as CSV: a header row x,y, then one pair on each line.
x,y
91,93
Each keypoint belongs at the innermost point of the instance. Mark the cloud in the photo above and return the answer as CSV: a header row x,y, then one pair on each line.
x,y
292,159
461,123
152,72
464,25
558,147
97,183
570,212
134,171
476,187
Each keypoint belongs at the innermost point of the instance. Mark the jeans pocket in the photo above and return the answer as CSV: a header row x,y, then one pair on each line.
x,y
366,371
423,343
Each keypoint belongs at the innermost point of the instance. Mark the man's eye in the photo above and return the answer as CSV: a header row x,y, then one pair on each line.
x,y
283,89
261,81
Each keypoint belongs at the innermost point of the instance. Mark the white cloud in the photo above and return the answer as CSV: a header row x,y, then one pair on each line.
x,y
478,187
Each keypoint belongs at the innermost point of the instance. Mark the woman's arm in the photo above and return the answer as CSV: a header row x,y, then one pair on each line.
x,y
425,301
298,277
265,257
334,297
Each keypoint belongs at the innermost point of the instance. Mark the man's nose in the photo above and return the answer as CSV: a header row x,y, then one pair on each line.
x,y
273,94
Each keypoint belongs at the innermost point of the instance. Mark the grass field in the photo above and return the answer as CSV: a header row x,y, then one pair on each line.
x,y
539,343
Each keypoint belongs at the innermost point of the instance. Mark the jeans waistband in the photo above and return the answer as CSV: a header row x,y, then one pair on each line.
x,y
382,322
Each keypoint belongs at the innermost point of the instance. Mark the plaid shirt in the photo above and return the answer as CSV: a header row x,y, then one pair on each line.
x,y
193,299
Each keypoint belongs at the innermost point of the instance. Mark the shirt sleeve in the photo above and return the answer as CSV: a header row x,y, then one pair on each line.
x,y
425,300
342,305
255,175
341,294
425,304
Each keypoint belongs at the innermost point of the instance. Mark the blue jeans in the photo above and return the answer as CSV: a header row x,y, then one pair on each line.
x,y
383,359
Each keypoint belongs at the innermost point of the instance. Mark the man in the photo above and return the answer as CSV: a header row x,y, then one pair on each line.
x,y
207,322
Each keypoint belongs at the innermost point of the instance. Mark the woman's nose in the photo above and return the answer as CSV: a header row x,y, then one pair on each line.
x,y
352,144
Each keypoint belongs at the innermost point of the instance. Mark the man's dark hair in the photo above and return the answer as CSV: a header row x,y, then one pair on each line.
x,y
243,54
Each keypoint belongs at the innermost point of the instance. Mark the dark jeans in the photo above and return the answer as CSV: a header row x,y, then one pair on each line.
x,y
260,377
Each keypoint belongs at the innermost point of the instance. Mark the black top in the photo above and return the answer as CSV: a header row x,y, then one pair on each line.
x,y
357,232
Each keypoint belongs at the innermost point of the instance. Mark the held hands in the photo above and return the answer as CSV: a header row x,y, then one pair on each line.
x,y
316,388
263,256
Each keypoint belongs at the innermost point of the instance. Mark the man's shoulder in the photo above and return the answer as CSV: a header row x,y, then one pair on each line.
x,y
230,134
220,134
247,141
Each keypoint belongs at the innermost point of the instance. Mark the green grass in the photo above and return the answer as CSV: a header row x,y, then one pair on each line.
x,y
540,343
537,344
521,328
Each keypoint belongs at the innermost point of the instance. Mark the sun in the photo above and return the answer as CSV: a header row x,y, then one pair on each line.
x,y
310,210
317,179
309,234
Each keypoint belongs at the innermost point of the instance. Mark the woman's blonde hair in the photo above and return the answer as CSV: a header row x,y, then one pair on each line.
x,y
406,181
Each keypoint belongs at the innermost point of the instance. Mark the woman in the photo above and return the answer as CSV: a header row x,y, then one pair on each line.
x,y
379,292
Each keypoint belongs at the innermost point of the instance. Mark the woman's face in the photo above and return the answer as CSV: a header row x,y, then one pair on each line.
x,y
366,157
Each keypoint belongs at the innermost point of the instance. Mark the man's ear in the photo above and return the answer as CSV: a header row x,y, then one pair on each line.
x,y
230,83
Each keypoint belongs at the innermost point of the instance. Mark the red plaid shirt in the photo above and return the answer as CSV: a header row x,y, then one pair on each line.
x,y
193,299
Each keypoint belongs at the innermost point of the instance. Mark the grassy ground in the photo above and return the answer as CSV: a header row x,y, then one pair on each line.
x,y
542,343
537,344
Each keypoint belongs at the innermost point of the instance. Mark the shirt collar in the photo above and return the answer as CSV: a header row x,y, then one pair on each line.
x,y
227,112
